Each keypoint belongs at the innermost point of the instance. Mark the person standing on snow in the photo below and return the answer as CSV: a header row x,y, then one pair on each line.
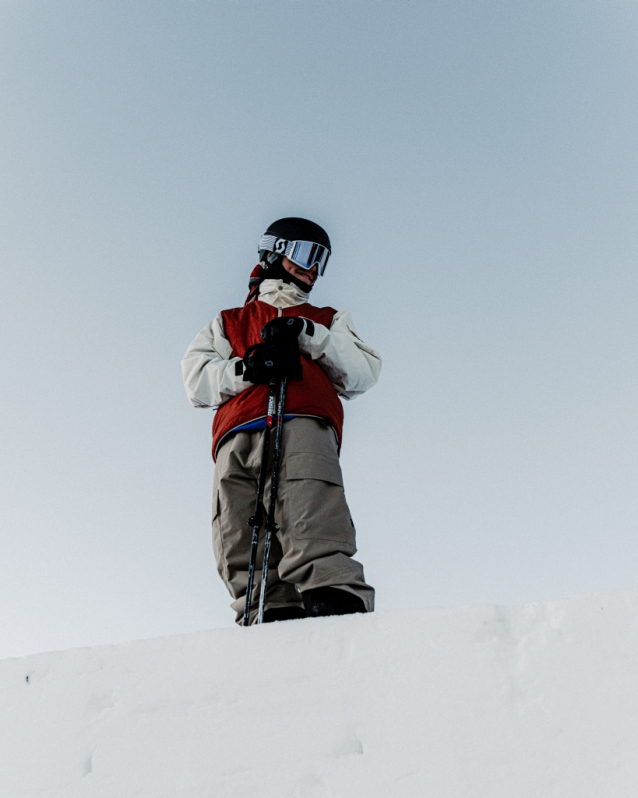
x,y
311,571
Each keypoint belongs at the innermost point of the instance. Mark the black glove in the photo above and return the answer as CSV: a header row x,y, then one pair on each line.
x,y
265,362
284,330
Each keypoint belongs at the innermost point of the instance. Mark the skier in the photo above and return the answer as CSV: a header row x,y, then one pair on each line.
x,y
311,571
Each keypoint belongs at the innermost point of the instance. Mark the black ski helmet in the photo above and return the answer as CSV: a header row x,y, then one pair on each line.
x,y
292,228
275,241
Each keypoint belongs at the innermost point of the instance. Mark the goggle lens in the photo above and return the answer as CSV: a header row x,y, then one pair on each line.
x,y
306,254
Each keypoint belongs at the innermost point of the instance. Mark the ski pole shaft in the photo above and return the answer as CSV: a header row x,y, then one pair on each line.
x,y
271,526
256,519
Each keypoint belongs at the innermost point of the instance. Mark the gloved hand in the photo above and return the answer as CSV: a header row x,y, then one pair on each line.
x,y
284,330
265,362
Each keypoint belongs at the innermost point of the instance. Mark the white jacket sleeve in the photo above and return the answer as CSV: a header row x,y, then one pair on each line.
x,y
353,367
208,368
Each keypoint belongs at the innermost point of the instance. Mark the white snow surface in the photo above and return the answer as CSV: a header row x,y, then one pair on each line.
x,y
539,700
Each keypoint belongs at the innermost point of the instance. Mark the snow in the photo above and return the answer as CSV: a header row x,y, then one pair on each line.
x,y
480,702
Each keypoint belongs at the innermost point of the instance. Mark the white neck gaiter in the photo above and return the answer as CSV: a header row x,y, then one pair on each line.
x,y
281,295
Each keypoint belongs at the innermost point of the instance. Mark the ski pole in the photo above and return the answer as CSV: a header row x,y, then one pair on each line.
x,y
257,518
271,526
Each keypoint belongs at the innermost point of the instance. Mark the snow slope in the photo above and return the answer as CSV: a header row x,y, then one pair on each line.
x,y
489,702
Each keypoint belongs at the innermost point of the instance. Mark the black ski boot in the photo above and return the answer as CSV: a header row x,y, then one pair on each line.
x,y
284,614
331,601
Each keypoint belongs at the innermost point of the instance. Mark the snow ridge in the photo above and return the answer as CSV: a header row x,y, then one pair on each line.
x,y
467,702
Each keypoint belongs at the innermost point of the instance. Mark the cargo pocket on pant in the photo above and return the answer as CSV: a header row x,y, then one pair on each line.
x,y
316,504
305,465
218,546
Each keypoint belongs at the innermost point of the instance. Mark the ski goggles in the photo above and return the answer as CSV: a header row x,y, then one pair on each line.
x,y
304,254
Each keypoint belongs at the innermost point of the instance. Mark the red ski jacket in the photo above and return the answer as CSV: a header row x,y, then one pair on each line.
x,y
314,395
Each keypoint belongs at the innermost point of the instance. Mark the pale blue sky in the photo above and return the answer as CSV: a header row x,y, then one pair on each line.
x,y
475,164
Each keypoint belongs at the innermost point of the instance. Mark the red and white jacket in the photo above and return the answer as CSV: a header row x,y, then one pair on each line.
x,y
336,362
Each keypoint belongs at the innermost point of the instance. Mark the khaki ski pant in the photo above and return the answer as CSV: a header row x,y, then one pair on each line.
x,y
316,537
